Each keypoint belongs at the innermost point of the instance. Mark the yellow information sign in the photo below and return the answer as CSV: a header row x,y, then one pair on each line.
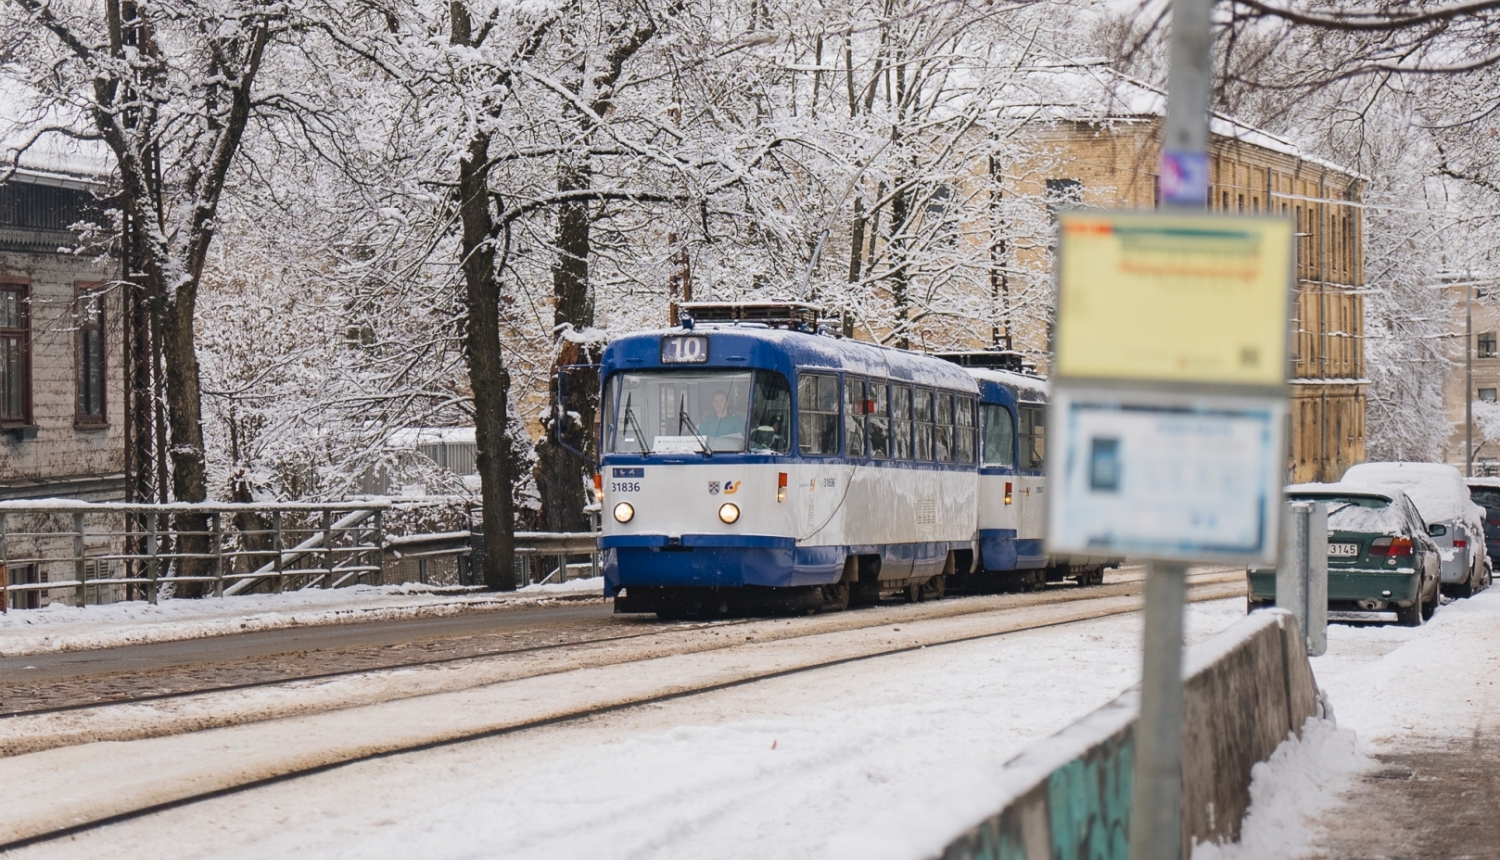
x,y
1174,298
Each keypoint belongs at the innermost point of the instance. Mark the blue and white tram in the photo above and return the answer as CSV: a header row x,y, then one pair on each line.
x,y
1012,508
743,464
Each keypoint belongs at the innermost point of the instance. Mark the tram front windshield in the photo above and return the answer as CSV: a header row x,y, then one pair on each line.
x,y
702,411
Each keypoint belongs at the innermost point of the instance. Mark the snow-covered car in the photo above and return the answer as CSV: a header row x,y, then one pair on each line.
x,y
1455,523
1486,493
1380,557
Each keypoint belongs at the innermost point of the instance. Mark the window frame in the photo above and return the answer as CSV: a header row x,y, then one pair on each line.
x,y
1025,446
878,416
901,427
84,291
838,399
989,409
855,428
1486,345
965,435
28,414
928,425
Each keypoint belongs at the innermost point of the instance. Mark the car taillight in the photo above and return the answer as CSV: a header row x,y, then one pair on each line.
x,y
1460,544
1393,547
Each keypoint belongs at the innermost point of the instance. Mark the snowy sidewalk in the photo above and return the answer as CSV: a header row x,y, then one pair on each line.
x,y
1413,768
68,628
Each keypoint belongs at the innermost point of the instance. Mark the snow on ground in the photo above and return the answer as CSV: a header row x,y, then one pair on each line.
x,y
69,628
1390,689
883,758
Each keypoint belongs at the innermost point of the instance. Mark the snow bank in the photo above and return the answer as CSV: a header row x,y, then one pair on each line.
x,y
69,628
1291,790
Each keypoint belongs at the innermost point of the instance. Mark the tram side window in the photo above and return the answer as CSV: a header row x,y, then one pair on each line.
x,y
999,436
1033,436
944,436
922,423
854,416
879,420
771,414
901,422
963,429
817,413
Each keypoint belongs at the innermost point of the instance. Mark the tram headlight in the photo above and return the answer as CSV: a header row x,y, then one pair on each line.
x,y
729,513
624,512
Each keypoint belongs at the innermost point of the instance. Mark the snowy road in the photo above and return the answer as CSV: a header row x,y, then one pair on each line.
x,y
879,758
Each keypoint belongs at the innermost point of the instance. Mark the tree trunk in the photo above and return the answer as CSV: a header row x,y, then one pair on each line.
x,y
560,473
487,374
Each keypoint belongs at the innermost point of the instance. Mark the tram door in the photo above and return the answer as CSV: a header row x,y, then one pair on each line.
x,y
1031,434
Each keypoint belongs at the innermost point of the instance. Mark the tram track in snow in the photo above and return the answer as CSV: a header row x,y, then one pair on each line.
x,y
332,740
84,700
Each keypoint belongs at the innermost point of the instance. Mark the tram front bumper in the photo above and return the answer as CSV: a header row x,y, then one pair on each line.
x,y
715,561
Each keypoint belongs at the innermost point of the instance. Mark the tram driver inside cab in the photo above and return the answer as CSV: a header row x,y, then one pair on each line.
x,y
721,421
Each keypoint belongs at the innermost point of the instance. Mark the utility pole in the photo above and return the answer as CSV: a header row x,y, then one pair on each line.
x,y
1156,793
1468,377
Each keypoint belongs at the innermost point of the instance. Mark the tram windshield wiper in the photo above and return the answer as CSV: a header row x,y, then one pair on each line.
x,y
632,421
682,418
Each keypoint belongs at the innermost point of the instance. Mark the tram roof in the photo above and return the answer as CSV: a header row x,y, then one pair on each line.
x,y
786,350
1028,387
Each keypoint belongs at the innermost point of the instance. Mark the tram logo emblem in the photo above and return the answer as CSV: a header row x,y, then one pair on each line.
x,y
729,487
713,488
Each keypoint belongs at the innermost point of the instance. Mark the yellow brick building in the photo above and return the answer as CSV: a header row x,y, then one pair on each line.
x,y
1108,159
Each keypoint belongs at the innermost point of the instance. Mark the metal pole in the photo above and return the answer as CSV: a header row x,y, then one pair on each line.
x,y
218,526
81,589
1468,379
276,544
1156,793
4,570
152,563
327,549
1156,790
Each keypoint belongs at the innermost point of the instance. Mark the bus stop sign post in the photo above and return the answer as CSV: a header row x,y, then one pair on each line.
x,y
1156,802
1169,405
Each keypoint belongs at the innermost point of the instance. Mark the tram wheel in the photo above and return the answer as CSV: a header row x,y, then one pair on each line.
x,y
836,597
935,588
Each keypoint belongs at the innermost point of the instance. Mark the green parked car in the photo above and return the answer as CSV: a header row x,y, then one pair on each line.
x,y
1380,557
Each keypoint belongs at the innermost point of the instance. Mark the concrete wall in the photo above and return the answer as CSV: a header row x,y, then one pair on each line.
x,y
1247,690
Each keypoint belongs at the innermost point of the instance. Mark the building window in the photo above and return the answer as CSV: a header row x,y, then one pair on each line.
x,y
89,308
1487,395
15,355
1486,345
1064,193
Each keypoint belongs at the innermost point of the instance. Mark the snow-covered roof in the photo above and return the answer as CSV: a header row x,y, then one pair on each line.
x,y
1437,489
1343,489
40,141
1015,380
1094,92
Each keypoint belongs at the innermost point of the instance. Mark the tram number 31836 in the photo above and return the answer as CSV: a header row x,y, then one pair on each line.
x,y
691,349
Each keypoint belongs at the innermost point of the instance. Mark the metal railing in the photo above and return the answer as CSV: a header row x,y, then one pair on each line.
x,y
128,551
99,553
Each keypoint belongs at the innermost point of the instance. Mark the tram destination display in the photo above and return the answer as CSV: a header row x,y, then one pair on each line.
x,y
684,349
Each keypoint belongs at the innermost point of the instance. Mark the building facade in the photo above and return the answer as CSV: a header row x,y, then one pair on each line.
x,y
1105,154
61,382
1474,376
